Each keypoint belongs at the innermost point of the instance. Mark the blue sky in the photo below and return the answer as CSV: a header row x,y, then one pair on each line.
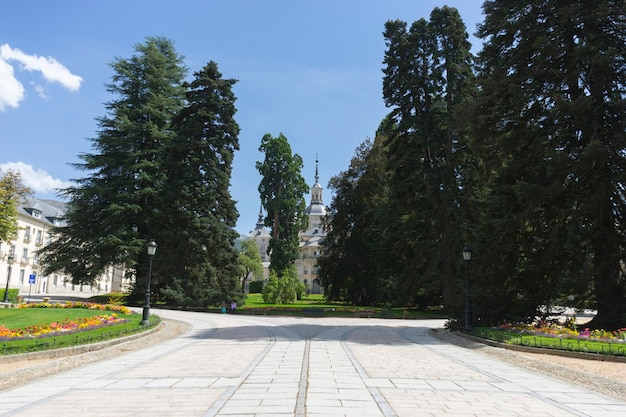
x,y
309,69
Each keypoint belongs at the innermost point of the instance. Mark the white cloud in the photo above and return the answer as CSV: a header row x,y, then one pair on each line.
x,y
51,69
41,92
37,179
11,90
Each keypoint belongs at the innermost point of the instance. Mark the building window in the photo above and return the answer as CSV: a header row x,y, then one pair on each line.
x,y
22,273
25,255
27,234
36,214
35,258
56,280
39,240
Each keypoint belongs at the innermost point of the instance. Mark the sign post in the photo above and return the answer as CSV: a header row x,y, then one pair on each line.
x,y
31,281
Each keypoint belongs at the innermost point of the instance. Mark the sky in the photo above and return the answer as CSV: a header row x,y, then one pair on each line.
x,y
311,70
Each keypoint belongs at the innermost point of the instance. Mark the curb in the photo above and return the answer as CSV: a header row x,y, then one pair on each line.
x,y
79,349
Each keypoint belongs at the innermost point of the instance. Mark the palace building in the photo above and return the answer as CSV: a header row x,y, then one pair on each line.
x,y
311,240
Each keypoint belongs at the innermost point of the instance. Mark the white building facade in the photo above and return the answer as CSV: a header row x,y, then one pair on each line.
x,y
312,239
19,259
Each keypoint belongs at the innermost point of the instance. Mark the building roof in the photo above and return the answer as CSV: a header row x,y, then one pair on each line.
x,y
50,211
259,230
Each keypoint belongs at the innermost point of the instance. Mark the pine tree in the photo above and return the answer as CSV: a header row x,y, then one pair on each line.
x,y
197,213
428,79
354,265
550,118
112,211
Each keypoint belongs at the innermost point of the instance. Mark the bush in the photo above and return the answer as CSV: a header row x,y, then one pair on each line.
x,y
13,293
285,289
256,286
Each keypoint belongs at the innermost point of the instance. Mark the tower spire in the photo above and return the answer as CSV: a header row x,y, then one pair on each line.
x,y
317,177
260,221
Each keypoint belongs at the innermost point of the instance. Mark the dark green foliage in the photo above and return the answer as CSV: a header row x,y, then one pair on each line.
x,y
198,214
255,287
282,190
160,170
428,82
353,266
550,135
112,211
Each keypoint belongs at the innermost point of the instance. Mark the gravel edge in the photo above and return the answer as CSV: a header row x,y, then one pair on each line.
x,y
71,359
601,385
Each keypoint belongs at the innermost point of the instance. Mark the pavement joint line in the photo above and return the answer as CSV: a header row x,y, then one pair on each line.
x,y
302,386
493,377
557,404
380,399
220,402
230,391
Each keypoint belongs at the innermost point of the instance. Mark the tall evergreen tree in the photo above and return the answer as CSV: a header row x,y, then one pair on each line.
x,y
112,212
282,190
197,213
428,79
354,265
551,118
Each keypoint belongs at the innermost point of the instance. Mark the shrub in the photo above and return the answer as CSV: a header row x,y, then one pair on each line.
x,y
13,293
256,286
285,289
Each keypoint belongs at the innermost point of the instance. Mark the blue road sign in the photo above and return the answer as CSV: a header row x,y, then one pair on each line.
x,y
31,279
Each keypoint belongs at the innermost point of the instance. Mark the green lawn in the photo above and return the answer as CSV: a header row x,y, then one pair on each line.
x,y
312,300
19,318
13,318
254,302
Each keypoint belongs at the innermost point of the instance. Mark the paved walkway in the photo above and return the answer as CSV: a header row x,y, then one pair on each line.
x,y
230,365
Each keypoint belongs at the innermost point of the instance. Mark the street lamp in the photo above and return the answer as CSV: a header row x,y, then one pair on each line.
x,y
6,290
146,307
467,257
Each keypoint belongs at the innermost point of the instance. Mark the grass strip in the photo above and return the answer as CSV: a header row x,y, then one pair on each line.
x,y
582,345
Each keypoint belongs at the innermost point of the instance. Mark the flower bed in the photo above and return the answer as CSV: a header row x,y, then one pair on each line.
x,y
56,328
67,326
566,330
79,304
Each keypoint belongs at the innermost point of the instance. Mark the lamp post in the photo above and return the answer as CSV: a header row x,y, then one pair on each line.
x,y
6,290
467,257
146,307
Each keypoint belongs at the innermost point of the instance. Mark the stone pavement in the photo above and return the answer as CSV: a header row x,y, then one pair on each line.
x,y
235,365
